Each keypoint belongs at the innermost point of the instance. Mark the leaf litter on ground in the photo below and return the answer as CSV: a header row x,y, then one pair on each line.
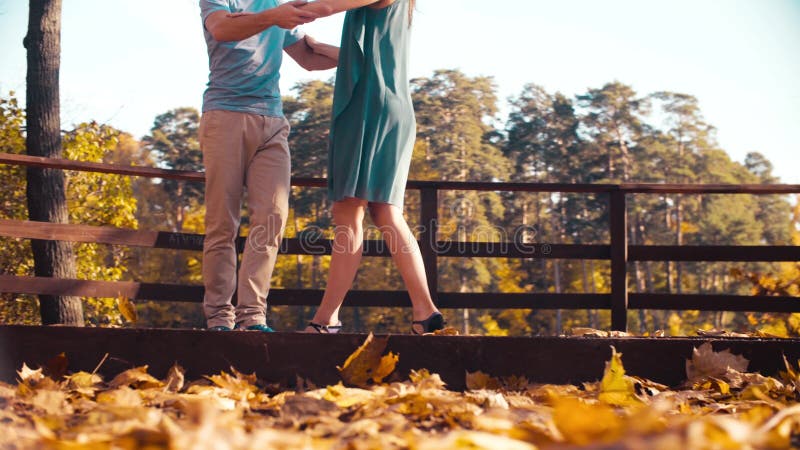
x,y
720,406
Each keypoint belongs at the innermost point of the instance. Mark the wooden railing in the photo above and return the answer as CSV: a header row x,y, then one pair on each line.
x,y
619,300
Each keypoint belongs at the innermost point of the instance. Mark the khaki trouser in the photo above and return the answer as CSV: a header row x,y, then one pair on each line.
x,y
242,151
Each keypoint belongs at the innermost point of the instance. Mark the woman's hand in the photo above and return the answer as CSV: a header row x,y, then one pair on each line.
x,y
323,49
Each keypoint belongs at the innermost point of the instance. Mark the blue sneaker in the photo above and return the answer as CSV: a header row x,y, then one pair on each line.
x,y
220,328
258,327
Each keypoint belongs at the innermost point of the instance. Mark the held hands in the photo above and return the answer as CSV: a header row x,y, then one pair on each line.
x,y
288,15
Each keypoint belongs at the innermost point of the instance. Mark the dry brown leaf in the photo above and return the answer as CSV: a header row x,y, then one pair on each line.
x,y
237,386
175,379
136,377
51,401
423,379
367,363
705,362
479,380
56,367
30,376
122,397
720,333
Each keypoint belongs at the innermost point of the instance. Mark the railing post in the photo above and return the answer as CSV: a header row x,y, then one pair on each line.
x,y
429,220
619,260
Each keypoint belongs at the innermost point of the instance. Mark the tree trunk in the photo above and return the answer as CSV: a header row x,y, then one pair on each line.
x,y
46,187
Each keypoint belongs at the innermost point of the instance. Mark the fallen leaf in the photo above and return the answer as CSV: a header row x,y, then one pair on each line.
x,y
51,401
136,377
446,331
581,423
30,376
237,385
345,397
616,388
122,397
175,379
84,383
128,309
367,363
705,362
479,380
385,367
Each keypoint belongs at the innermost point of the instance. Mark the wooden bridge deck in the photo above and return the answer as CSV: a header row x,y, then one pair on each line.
x,y
282,357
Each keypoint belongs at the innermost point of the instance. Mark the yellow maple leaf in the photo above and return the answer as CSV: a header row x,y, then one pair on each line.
x,y
345,397
616,388
84,382
367,363
581,423
127,308
446,331
385,367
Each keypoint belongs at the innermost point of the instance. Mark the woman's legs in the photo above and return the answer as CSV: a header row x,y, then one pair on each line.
x,y
348,241
405,252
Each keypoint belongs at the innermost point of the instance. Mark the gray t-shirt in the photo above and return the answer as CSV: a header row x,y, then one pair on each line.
x,y
244,74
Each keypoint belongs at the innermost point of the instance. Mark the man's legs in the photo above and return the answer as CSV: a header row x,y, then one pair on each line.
x,y
225,159
268,180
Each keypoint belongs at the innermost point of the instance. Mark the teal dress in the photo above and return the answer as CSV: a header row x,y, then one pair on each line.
x,y
373,126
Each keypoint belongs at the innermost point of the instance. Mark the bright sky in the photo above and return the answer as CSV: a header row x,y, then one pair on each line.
x,y
124,62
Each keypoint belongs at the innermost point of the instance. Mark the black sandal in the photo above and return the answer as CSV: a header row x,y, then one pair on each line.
x,y
326,329
434,322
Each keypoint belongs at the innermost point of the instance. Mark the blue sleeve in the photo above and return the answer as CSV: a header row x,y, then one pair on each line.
x,y
207,7
293,36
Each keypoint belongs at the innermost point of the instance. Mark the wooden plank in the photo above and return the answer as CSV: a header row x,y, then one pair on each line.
x,y
307,244
524,301
296,297
714,253
641,188
707,302
282,357
521,250
67,164
102,289
619,261
674,188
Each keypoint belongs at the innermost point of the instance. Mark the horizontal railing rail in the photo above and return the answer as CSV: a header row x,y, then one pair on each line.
x,y
618,251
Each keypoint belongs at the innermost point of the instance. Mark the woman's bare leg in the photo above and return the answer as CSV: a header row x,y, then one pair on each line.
x,y
348,242
405,252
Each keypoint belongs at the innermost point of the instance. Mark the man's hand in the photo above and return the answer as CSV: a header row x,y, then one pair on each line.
x,y
226,27
289,15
